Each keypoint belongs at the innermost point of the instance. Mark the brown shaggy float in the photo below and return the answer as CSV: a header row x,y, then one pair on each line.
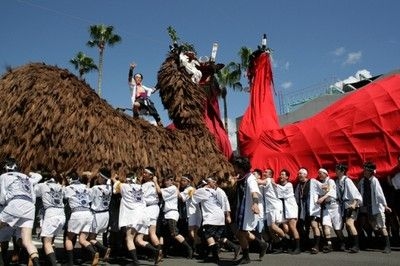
x,y
49,117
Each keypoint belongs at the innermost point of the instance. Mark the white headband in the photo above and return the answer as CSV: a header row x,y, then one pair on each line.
x,y
103,176
323,170
148,171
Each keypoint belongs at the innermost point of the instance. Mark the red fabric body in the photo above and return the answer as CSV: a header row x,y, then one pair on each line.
x,y
216,127
363,125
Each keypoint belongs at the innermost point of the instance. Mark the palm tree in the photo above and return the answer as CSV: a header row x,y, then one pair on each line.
x,y
83,64
101,36
244,54
229,76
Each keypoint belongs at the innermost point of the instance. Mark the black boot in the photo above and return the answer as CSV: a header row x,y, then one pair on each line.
x,y
135,260
245,259
35,261
355,248
70,257
214,252
387,248
94,255
52,259
154,251
233,247
189,250
296,249
315,248
341,242
263,247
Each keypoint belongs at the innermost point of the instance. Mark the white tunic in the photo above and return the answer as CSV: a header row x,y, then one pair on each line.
x,y
347,192
79,198
17,197
186,196
132,208
245,218
170,197
151,198
308,205
52,195
286,194
212,204
378,199
100,207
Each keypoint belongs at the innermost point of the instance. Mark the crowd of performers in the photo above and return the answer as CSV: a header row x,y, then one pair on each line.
x,y
139,214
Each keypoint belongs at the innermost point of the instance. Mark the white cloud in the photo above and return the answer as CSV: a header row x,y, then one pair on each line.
x,y
287,85
287,65
339,51
353,58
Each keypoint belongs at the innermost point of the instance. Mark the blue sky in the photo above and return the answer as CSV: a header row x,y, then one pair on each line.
x,y
312,40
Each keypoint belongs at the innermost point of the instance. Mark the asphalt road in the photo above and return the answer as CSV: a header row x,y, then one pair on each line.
x,y
363,258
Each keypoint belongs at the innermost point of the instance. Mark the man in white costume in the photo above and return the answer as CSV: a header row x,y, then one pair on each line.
x,y
102,192
141,95
331,213
152,210
374,204
52,193
17,197
213,207
349,199
79,197
132,215
273,208
248,207
307,193
170,193
290,211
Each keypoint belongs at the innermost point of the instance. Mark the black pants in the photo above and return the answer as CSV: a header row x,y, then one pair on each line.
x,y
146,107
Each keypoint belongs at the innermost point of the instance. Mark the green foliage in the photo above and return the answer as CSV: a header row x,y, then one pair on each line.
x,y
83,64
185,46
102,35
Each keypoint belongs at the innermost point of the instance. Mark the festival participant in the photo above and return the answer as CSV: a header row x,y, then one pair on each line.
x,y
273,215
169,193
51,192
331,213
101,191
226,207
290,210
349,199
141,95
152,211
394,178
17,197
132,214
260,224
306,194
248,207
79,197
212,208
373,207
192,210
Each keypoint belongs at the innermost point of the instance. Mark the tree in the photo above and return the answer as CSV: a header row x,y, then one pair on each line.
x,y
83,64
102,35
229,76
244,54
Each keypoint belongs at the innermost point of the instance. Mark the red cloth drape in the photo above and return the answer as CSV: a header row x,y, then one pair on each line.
x,y
363,125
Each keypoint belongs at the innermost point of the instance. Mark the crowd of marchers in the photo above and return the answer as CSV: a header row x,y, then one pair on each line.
x,y
139,215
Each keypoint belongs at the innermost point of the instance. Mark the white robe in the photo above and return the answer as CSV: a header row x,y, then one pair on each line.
x,y
378,199
347,192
